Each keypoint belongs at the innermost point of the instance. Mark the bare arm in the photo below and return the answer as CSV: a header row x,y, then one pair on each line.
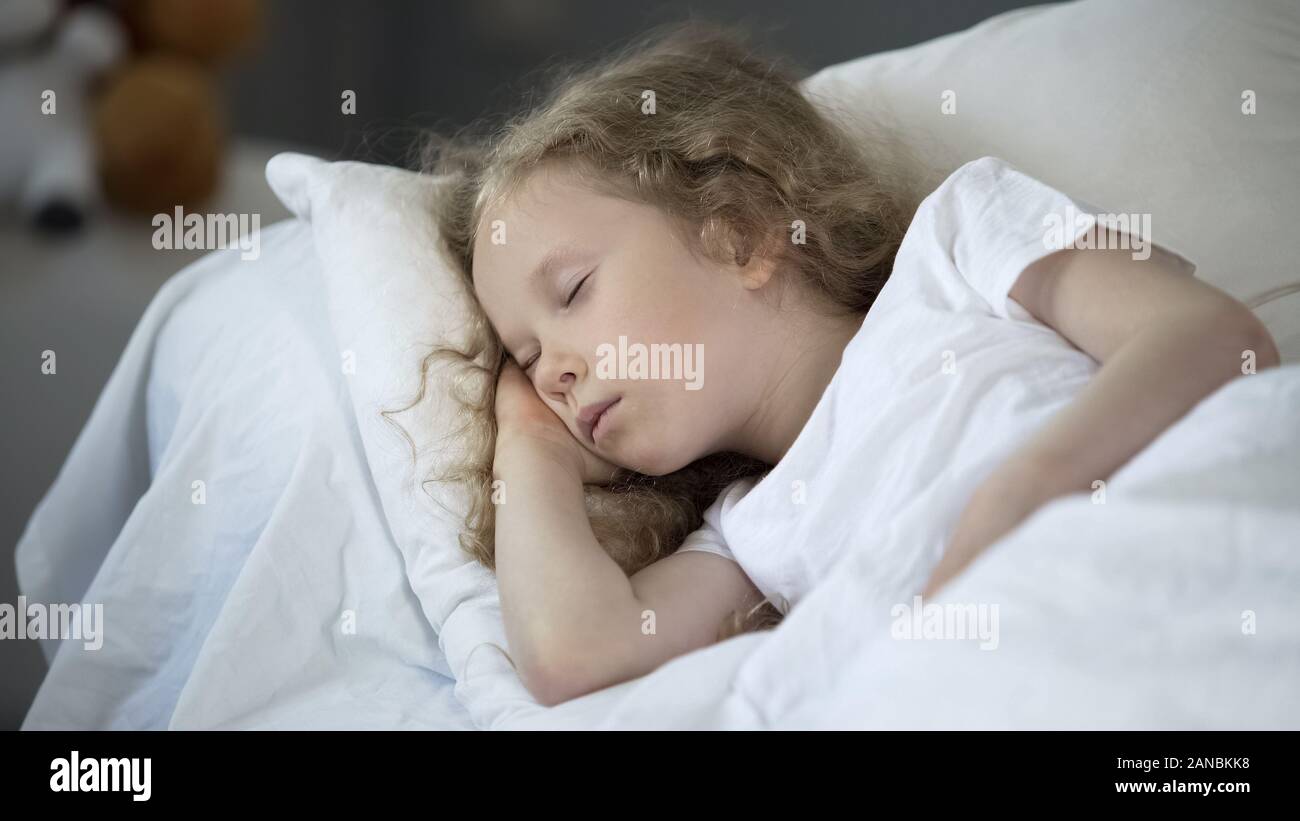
x,y
1164,340
575,622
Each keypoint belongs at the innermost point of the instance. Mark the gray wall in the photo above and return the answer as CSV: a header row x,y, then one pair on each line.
x,y
418,63
412,64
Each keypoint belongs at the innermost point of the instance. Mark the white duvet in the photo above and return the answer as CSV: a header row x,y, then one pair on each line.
x,y
283,600
231,613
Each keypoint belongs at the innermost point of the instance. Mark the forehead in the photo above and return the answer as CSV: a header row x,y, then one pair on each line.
x,y
547,224
557,216
550,209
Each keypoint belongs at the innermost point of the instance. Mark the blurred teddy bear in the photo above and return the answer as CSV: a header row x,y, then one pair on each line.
x,y
158,122
147,136
48,59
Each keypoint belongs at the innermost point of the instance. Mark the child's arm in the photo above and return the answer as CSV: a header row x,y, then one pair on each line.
x,y
1164,340
574,621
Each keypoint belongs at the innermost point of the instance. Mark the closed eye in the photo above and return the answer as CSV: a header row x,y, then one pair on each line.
x,y
567,302
574,293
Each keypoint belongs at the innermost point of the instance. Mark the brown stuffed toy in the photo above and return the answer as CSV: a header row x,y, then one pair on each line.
x,y
159,124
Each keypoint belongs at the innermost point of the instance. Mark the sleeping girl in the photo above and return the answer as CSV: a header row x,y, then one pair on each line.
x,y
886,379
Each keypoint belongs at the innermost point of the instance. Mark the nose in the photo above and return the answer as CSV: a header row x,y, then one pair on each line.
x,y
557,374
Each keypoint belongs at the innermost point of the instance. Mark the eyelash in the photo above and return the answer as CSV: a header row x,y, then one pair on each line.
x,y
567,302
573,295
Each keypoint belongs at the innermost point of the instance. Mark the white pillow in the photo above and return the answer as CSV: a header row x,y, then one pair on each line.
x,y
390,299
1133,107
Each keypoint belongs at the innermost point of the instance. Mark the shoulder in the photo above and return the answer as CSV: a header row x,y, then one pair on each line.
x,y
974,177
986,167
961,194
984,224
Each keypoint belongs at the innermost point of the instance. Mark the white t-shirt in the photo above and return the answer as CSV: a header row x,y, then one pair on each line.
x,y
944,380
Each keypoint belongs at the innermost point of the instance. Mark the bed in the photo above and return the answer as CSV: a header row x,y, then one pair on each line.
x,y
265,558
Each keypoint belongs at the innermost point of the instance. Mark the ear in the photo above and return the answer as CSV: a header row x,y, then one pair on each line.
x,y
757,272
756,265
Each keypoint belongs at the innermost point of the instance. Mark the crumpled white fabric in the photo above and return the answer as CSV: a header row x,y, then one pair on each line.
x,y
280,601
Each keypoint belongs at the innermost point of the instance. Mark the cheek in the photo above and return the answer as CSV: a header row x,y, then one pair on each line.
x,y
681,431
658,291
697,361
658,316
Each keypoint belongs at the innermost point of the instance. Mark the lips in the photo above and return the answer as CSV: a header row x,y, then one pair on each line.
x,y
589,416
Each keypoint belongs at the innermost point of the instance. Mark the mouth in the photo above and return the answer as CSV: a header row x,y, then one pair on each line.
x,y
591,417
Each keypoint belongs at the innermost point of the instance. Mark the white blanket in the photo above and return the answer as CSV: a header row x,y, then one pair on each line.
x,y
282,600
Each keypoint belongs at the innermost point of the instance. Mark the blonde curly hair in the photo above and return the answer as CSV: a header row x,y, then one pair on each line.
x,y
733,151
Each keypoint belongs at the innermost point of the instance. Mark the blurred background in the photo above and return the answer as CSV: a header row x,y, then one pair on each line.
x,y
183,101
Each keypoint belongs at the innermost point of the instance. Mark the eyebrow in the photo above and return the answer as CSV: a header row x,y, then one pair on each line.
x,y
554,259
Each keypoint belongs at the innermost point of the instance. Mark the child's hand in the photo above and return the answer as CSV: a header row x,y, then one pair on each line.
x,y
1004,500
524,422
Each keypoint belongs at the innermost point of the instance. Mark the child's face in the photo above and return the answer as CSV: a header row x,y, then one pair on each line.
x,y
641,284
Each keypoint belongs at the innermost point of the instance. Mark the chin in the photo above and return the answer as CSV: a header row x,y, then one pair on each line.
x,y
656,464
656,455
